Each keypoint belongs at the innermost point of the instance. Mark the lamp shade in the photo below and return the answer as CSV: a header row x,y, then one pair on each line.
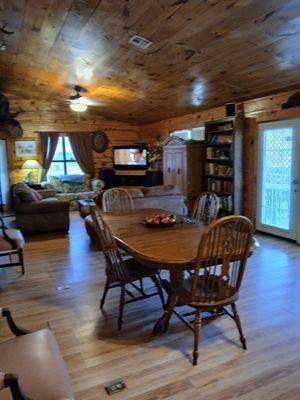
x,y
31,164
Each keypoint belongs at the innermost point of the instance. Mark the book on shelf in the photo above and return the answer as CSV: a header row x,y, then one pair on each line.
x,y
220,170
215,185
220,154
219,139
224,139
225,203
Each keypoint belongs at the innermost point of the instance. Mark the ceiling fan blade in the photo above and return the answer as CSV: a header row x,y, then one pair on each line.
x,y
89,102
76,88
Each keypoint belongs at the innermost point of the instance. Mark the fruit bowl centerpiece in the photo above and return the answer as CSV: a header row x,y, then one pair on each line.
x,y
160,220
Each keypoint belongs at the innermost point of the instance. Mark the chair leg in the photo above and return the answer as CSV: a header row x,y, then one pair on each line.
x,y
239,325
121,309
141,285
169,311
158,276
106,288
197,329
159,289
21,260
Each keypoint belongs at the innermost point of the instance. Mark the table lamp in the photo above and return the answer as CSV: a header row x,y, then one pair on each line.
x,y
32,165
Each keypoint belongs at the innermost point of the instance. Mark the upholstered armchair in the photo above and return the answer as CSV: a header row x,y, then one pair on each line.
x,y
31,365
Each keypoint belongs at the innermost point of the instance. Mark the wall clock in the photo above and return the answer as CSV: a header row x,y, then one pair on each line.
x,y
99,141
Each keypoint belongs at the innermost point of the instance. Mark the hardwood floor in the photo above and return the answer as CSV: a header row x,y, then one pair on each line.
x,y
159,367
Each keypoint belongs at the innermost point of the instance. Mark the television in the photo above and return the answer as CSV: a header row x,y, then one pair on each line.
x,y
133,157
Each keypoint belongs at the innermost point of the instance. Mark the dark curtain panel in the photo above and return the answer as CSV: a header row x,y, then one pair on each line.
x,y
82,148
48,146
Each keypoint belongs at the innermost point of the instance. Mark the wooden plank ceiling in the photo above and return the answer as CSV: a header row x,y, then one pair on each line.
x,y
204,53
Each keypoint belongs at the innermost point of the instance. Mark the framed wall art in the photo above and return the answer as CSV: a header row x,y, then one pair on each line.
x,y
25,148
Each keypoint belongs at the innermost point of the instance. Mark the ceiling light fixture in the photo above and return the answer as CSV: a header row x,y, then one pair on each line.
x,y
2,46
78,107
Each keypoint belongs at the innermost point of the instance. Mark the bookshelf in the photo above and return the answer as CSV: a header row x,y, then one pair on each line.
x,y
223,163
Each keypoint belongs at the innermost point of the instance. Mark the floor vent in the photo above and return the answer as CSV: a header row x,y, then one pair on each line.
x,y
139,42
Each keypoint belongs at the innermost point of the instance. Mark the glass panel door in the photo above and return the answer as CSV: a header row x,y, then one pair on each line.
x,y
278,178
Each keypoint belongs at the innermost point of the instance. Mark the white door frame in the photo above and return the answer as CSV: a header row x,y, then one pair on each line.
x,y
294,233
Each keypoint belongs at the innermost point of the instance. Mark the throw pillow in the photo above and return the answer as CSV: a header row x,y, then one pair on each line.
x,y
56,183
70,183
25,195
37,195
97,184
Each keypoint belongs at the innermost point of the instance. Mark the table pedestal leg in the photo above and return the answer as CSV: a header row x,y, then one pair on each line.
x,y
161,324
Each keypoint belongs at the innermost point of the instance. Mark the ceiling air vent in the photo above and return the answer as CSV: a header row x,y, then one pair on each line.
x,y
139,42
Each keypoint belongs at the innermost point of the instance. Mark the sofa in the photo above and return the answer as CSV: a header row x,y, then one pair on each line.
x,y
167,197
39,211
31,366
73,188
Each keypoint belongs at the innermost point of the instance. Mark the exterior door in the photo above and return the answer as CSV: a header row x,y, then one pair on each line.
x,y
278,179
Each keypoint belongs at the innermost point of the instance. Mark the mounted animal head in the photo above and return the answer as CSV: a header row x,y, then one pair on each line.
x,y
8,124
5,31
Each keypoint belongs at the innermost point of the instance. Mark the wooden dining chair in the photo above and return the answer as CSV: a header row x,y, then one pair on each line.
x,y
117,199
12,245
122,272
206,207
221,260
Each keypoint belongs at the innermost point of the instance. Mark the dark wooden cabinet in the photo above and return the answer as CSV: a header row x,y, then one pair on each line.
x,y
183,166
115,178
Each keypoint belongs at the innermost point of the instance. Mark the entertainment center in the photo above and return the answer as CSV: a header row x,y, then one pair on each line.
x,y
131,168
114,178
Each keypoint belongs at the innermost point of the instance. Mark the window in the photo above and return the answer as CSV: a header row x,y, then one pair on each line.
x,y
64,161
190,134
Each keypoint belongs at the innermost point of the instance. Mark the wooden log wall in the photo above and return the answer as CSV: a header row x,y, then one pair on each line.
x,y
40,117
262,109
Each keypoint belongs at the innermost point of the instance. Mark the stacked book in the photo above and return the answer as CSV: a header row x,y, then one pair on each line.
x,y
219,139
215,185
225,203
219,154
217,169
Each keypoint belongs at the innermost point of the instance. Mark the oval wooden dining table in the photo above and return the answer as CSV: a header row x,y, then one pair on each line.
x,y
174,248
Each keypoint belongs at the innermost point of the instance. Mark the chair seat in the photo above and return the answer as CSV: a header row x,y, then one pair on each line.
x,y
16,236
36,359
136,270
183,290
5,245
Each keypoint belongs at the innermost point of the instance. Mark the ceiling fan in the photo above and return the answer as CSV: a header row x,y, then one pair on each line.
x,y
78,102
